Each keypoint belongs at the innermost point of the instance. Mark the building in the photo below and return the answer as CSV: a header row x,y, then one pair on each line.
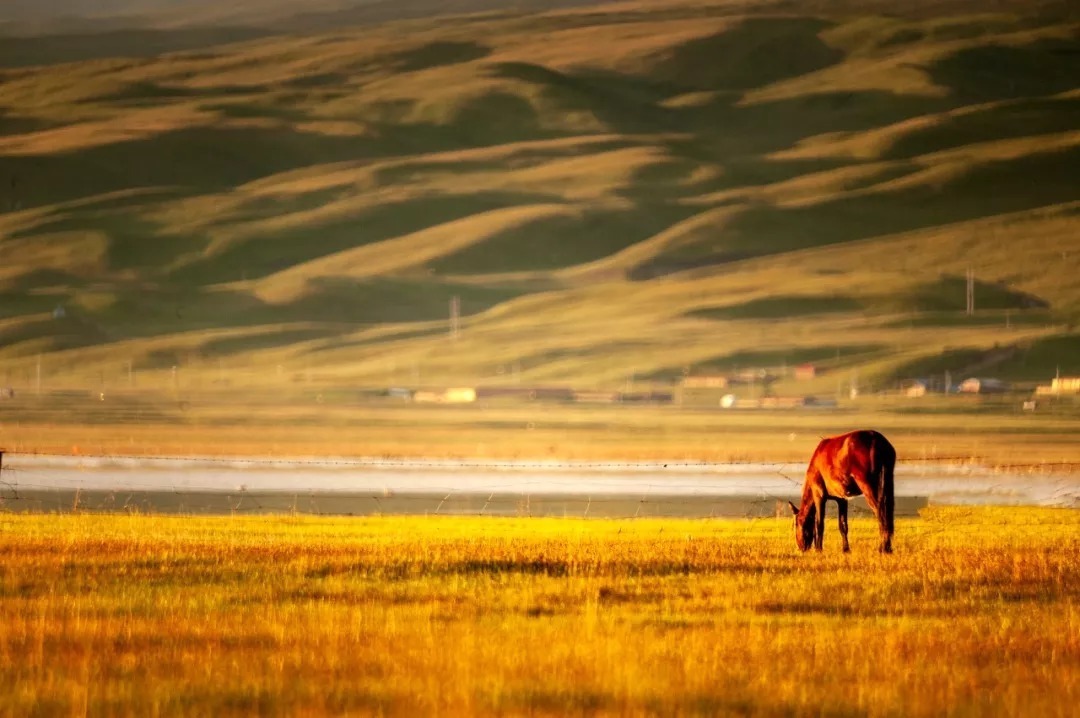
x,y
977,385
1060,385
915,388
456,395
712,381
1065,385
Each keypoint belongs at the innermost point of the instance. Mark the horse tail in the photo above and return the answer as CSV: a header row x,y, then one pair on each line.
x,y
886,501
888,467
878,468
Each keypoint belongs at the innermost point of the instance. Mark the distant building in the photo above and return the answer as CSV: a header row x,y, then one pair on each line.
x,y
915,388
462,395
1060,385
978,385
1066,385
712,381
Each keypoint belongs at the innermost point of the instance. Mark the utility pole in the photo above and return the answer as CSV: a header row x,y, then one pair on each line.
x,y
455,314
970,291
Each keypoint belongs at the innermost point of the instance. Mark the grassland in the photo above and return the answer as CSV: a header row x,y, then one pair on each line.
x,y
1044,441
617,194
976,614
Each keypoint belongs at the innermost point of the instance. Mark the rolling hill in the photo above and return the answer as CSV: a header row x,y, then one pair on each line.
x,y
614,192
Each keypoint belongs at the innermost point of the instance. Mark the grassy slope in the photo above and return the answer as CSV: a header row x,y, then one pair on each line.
x,y
628,191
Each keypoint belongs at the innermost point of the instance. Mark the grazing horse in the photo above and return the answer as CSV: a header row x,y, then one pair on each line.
x,y
860,462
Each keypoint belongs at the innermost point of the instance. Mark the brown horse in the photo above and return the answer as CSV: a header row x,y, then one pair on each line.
x,y
841,467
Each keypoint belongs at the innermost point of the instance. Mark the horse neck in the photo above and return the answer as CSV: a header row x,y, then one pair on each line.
x,y
806,506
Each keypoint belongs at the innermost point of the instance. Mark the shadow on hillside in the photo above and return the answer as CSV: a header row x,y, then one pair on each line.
x,y
494,118
38,335
1042,359
260,256
754,53
417,169
380,300
1037,360
10,125
138,93
201,159
55,49
437,54
133,242
825,358
781,307
948,293
998,72
714,126
739,136
716,131
331,307
1025,118
987,189
627,104
381,11
208,159
383,338
558,242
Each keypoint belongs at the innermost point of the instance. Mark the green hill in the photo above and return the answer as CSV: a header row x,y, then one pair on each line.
x,y
615,192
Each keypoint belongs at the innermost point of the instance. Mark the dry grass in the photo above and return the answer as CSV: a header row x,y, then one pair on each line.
x,y
976,614
1024,443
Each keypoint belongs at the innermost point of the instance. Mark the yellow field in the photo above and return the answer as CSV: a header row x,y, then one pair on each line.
x,y
976,614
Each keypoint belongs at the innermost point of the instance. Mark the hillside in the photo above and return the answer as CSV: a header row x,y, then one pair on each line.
x,y
616,193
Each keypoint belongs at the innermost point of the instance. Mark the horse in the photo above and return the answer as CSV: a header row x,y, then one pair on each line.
x,y
841,467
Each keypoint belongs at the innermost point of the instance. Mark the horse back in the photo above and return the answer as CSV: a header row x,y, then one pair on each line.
x,y
864,452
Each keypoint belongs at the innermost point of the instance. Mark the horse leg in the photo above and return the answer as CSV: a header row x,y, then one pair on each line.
x,y
842,522
888,505
880,503
819,523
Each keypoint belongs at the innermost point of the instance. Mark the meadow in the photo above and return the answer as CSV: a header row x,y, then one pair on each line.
x,y
232,232
976,614
956,430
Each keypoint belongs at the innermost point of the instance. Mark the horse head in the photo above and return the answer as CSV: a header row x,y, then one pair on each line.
x,y
804,527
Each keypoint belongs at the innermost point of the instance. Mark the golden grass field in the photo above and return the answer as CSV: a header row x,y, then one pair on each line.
x,y
977,613
230,232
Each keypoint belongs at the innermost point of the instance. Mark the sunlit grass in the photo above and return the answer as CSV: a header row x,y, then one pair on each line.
x,y
976,613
